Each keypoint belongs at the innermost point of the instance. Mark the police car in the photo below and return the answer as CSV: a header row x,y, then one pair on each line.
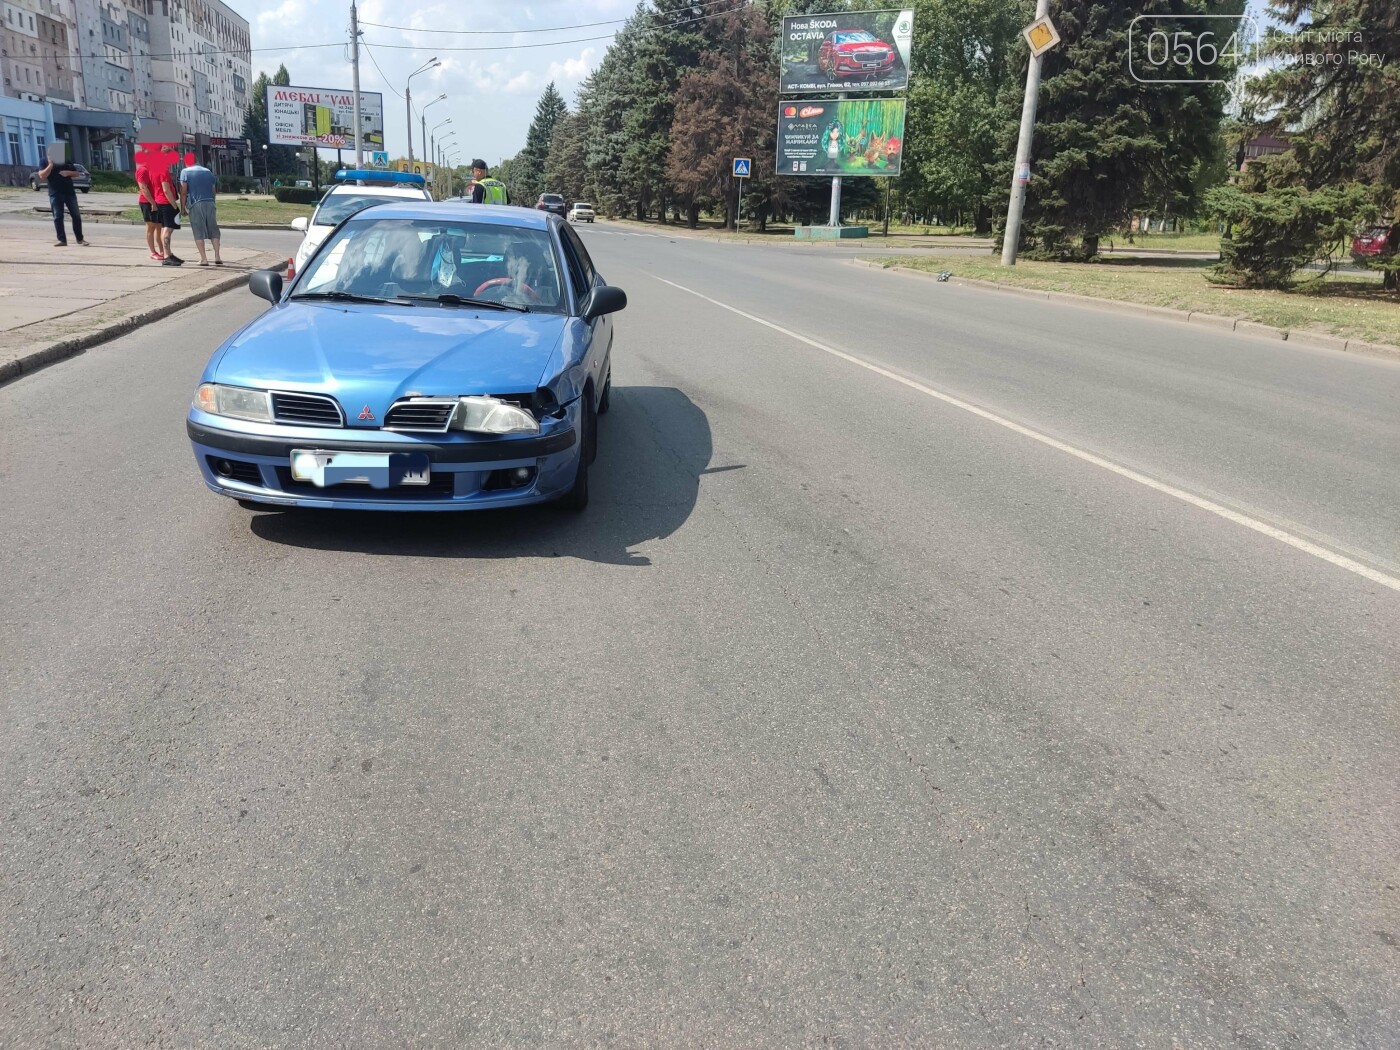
x,y
354,191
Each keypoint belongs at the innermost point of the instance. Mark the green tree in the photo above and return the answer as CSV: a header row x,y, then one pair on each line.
x,y
1341,115
281,160
1105,142
965,54
530,170
566,168
724,109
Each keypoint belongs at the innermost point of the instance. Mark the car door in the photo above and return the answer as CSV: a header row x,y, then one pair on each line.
x,y
585,278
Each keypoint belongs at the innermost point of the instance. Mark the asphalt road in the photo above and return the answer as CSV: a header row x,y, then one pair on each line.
x,y
935,668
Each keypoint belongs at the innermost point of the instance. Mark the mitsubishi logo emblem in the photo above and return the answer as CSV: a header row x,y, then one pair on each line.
x,y
365,413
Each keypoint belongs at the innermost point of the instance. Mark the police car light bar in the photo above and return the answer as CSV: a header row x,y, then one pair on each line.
x,y
369,177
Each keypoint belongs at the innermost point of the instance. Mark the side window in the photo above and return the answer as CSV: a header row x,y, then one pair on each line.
x,y
588,272
576,271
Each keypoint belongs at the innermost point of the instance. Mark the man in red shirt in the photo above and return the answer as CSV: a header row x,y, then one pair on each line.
x,y
146,197
164,194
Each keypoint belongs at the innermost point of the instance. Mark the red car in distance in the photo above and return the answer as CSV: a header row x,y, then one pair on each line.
x,y
849,53
1378,240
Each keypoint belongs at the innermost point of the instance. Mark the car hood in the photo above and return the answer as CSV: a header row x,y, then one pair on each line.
x,y
371,356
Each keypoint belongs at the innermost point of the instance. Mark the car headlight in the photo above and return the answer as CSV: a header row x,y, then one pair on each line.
x,y
491,415
236,401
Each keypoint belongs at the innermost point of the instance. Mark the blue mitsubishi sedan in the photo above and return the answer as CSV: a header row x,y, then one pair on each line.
x,y
427,357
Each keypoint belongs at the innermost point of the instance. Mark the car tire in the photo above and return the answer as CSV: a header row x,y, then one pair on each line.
x,y
576,499
34,185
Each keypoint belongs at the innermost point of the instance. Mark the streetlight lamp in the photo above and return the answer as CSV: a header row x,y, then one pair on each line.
x,y
432,63
423,124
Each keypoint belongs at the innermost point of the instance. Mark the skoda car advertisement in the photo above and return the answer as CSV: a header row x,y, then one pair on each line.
x,y
860,51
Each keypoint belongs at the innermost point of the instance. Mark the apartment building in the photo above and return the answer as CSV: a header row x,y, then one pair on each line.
x,y
183,64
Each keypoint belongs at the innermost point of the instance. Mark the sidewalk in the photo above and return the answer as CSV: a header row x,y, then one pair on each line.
x,y
55,302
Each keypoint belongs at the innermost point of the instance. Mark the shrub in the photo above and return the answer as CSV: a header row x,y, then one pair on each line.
x,y
112,181
237,184
297,194
1277,230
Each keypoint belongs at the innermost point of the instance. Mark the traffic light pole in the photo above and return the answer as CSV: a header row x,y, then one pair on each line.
x,y
1020,175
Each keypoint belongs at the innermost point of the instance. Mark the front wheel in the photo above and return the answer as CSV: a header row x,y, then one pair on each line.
x,y
34,185
85,189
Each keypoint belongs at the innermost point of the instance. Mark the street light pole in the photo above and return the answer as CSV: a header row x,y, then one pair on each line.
x,y
432,63
1020,175
423,125
432,153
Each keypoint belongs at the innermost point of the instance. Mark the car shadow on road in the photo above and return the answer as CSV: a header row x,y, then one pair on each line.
x,y
653,448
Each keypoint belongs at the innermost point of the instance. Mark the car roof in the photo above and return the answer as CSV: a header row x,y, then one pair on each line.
x,y
488,214
406,191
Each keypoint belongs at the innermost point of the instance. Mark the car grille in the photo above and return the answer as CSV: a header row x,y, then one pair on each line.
x,y
424,414
307,410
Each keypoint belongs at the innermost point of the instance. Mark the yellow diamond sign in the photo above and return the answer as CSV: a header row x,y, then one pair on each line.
x,y
1041,35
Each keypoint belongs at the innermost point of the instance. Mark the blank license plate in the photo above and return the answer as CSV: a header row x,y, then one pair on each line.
x,y
378,470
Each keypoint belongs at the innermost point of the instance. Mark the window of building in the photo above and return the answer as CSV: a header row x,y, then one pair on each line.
x,y
15,158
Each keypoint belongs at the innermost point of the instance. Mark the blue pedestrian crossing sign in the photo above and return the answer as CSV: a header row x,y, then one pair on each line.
x,y
742,167
379,159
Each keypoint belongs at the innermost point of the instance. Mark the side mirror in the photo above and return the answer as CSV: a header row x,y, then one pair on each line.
x,y
604,299
300,223
266,284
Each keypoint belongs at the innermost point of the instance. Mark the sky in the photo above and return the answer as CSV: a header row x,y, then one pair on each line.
x,y
491,92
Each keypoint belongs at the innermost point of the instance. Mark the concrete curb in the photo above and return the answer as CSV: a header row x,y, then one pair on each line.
x,y
34,358
1239,325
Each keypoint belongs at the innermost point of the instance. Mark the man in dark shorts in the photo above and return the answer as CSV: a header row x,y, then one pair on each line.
x,y
165,197
62,194
145,196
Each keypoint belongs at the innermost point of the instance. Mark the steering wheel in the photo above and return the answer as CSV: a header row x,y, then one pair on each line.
x,y
530,293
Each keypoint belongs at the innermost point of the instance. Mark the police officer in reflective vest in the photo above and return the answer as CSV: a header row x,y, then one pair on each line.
x,y
486,190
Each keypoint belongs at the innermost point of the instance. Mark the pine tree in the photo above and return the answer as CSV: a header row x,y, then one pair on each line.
x,y
281,160
529,170
1105,142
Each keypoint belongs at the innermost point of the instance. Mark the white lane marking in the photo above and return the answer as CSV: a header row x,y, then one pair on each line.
x,y
1261,527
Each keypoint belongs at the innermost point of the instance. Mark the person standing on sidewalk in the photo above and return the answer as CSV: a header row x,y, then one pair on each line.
x,y
146,197
63,194
197,185
166,196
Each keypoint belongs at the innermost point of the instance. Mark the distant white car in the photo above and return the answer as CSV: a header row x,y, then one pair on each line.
x,y
343,200
582,211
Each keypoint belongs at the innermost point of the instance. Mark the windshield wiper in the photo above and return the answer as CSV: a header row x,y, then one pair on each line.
x,y
341,297
453,299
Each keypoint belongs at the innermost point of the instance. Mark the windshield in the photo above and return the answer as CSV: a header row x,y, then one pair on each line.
x,y
853,38
551,198
392,258
336,207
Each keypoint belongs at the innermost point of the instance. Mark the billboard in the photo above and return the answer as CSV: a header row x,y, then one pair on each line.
x,y
857,136
302,116
860,51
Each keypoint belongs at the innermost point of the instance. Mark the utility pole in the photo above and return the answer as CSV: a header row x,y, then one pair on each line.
x,y
355,86
1020,176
